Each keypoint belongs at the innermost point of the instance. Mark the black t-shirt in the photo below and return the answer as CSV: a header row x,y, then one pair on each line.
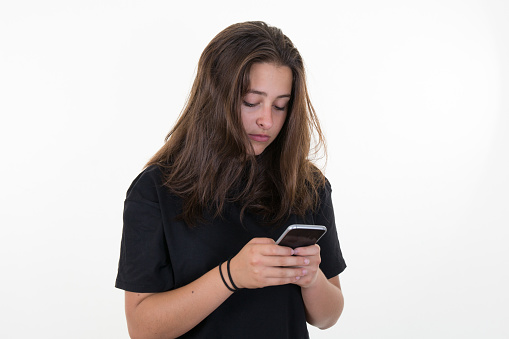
x,y
159,253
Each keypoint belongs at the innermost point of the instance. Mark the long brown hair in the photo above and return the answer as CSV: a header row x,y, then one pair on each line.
x,y
207,158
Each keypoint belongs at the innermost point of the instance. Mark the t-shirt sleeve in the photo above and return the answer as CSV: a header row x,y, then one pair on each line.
x,y
144,264
332,262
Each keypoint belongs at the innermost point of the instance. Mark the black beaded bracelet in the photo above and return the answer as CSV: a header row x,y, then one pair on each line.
x,y
222,278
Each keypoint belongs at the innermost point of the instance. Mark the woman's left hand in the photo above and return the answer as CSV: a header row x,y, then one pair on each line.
x,y
313,254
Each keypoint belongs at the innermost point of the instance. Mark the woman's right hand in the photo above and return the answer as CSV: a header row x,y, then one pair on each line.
x,y
262,263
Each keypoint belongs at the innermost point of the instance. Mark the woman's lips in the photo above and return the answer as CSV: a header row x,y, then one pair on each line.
x,y
259,137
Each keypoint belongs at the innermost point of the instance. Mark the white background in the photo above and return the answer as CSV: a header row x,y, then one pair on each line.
x,y
413,98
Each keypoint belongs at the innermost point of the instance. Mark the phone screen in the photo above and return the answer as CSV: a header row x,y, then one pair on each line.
x,y
300,237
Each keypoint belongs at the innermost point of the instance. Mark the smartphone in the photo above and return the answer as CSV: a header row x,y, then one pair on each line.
x,y
301,235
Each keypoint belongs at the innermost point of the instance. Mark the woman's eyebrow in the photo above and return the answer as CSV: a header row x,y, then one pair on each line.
x,y
265,94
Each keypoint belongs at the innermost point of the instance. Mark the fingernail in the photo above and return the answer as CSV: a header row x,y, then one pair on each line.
x,y
295,252
297,278
304,272
306,261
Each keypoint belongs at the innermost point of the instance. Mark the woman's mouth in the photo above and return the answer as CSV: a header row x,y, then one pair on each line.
x,y
259,137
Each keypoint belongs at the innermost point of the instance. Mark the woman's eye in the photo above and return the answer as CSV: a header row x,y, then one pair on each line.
x,y
279,108
247,104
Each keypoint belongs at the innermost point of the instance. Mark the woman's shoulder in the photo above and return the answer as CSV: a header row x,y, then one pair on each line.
x,y
327,185
324,192
146,185
322,182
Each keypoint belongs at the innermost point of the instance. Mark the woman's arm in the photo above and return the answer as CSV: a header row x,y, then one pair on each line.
x,y
324,302
260,263
323,298
173,313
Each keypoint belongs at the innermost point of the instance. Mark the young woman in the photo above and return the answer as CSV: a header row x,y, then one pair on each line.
x,y
232,175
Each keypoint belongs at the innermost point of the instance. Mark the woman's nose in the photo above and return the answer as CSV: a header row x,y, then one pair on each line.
x,y
265,119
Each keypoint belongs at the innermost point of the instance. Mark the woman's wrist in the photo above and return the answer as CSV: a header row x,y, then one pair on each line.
x,y
227,277
317,282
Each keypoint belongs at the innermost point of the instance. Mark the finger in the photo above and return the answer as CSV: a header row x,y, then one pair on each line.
x,y
276,250
308,250
286,261
281,281
262,241
279,272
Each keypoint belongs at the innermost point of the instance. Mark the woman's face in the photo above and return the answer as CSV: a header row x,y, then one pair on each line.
x,y
264,107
